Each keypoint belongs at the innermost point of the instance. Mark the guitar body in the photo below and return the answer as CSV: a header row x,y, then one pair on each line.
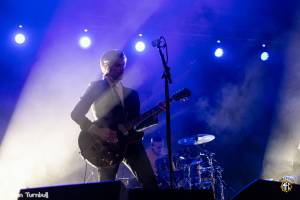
x,y
100,153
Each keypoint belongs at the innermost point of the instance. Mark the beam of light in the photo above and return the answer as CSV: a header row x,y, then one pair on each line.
x,y
219,52
140,46
20,38
264,56
85,42
40,145
283,154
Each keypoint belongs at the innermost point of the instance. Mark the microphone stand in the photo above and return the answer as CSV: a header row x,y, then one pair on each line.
x,y
167,76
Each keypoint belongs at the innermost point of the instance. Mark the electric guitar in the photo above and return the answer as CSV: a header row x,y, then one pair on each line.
x,y
100,153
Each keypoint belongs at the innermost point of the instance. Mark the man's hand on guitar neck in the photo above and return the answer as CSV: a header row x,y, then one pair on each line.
x,y
105,134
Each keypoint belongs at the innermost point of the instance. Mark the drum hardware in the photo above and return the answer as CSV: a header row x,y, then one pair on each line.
x,y
195,167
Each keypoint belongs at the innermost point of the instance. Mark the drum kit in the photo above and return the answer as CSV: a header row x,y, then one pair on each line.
x,y
194,167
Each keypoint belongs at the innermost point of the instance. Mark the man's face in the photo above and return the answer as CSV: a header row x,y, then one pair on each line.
x,y
116,69
157,147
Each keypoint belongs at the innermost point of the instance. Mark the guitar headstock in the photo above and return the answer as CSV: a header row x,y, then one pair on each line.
x,y
181,95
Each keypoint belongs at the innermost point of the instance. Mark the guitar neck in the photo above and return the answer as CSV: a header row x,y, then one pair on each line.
x,y
152,112
157,109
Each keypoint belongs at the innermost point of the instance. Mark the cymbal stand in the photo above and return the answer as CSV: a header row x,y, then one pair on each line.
x,y
210,163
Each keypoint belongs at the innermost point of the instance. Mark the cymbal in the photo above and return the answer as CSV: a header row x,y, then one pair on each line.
x,y
196,139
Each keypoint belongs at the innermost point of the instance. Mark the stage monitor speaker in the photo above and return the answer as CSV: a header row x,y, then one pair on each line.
x,y
108,190
264,189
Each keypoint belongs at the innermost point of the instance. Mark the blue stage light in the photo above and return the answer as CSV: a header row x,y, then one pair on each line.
x,y
85,42
140,46
264,56
20,38
219,52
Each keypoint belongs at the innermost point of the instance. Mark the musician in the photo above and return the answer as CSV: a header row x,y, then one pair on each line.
x,y
113,103
156,151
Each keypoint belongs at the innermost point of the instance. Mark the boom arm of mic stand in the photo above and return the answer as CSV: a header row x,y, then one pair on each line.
x,y
166,74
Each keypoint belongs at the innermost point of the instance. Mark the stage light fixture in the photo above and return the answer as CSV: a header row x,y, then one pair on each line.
x,y
20,38
219,52
264,56
85,42
140,46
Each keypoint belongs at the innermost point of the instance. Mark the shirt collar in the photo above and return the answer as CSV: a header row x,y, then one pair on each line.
x,y
113,83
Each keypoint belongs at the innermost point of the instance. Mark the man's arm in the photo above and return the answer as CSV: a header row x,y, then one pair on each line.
x,y
83,106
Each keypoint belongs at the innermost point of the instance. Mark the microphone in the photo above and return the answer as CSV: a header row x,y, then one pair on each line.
x,y
158,42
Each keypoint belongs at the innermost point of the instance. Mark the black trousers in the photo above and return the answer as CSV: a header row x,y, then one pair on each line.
x,y
136,158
